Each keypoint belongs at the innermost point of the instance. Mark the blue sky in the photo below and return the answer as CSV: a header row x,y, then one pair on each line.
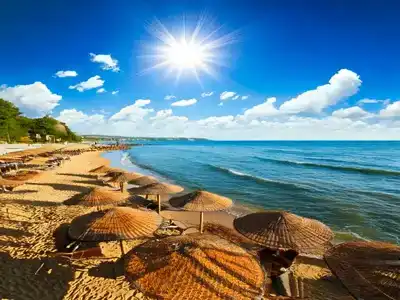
x,y
281,55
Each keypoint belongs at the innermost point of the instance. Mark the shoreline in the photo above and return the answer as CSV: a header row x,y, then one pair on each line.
x,y
227,216
190,218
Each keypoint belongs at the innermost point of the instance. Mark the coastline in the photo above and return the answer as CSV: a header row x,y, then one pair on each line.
x,y
119,159
34,217
115,159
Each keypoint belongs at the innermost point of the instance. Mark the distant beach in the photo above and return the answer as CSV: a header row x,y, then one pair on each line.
x,y
352,186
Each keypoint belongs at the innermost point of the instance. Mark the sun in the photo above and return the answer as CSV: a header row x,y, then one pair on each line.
x,y
186,55
197,51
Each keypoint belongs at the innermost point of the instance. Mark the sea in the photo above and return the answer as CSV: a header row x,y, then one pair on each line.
x,y
352,186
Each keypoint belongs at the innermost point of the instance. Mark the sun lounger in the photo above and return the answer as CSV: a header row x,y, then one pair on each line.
x,y
310,278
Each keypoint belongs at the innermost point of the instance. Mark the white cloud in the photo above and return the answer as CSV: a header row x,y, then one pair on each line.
x,y
266,109
236,97
91,83
73,116
114,92
142,102
372,101
262,121
226,95
223,121
354,112
342,85
33,99
162,114
368,101
101,90
392,110
169,97
106,61
139,121
81,122
207,94
245,97
134,112
66,74
187,102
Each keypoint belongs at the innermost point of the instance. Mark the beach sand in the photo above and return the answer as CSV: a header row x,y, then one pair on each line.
x,y
30,216
34,212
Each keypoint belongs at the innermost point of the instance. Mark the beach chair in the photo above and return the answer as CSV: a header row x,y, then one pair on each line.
x,y
310,278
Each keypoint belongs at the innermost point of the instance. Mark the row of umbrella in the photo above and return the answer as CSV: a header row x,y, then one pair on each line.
x,y
206,265
198,201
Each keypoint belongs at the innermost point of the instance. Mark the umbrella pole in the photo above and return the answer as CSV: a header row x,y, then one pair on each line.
x,y
201,222
159,203
121,244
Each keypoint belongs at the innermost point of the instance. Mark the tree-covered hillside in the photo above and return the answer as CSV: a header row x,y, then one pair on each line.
x,y
14,127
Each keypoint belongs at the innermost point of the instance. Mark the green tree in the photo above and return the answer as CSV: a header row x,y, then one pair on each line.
x,y
14,126
10,129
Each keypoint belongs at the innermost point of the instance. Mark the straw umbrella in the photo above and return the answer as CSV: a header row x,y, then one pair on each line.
x,y
114,172
119,223
123,178
283,230
195,266
100,170
98,197
201,201
157,189
369,270
143,180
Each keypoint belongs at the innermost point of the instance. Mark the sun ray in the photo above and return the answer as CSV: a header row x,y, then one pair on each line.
x,y
194,51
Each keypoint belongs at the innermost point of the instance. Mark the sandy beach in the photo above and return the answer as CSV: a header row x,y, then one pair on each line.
x,y
31,215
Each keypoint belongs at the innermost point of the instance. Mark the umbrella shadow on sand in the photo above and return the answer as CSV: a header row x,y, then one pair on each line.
x,y
33,278
78,175
92,182
13,232
63,187
108,269
33,202
138,201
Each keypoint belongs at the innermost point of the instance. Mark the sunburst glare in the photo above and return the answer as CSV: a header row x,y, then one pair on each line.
x,y
196,51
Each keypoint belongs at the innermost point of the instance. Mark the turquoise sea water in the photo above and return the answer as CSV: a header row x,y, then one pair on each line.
x,y
354,187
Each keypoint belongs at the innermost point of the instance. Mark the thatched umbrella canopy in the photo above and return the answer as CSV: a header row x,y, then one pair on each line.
x,y
119,223
114,172
201,201
143,180
369,270
125,177
99,197
100,170
194,267
158,189
121,179
284,230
